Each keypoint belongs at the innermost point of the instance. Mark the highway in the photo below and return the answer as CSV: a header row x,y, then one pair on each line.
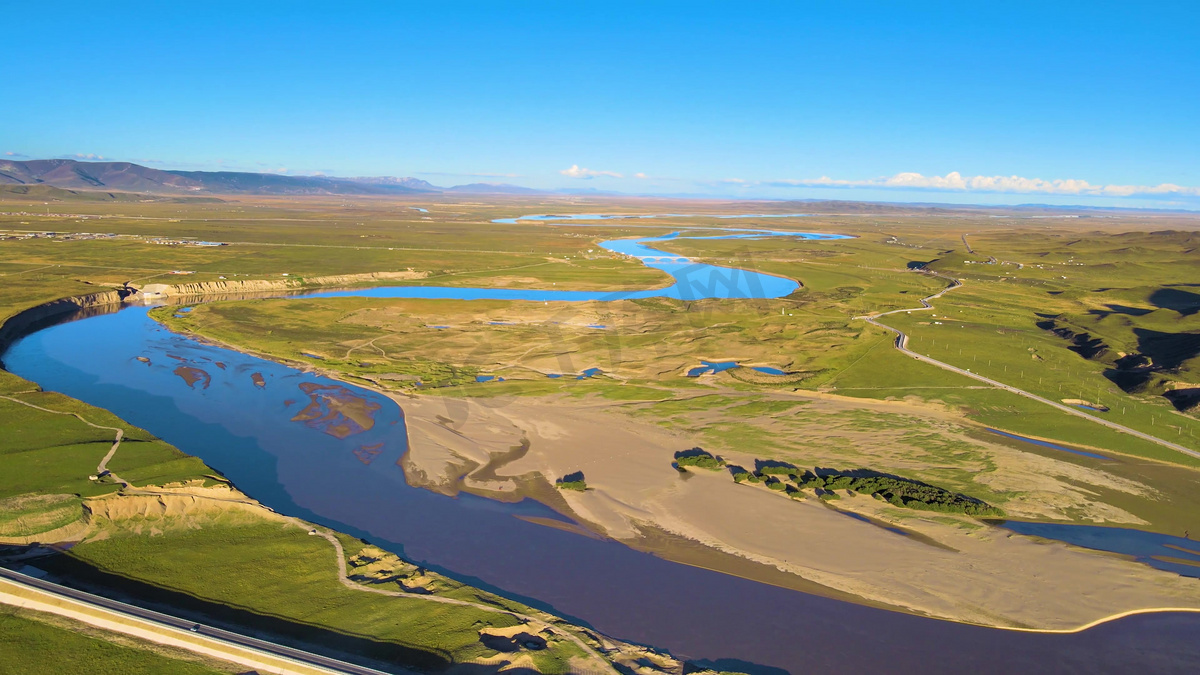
x,y
902,345
231,644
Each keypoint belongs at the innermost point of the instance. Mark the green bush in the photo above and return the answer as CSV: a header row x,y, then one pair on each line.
x,y
901,492
698,457
770,467
572,481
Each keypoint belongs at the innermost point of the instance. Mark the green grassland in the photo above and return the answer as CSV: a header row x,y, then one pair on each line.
x,y
810,335
1121,279
990,325
32,645
232,562
240,566
446,342
321,239
266,572
50,454
813,335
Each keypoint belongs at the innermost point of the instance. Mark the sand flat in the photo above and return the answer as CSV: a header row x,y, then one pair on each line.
x,y
990,577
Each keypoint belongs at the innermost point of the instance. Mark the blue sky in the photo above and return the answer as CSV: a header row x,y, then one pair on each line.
x,y
1004,102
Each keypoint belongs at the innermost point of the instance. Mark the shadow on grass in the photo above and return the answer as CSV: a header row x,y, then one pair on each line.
x,y
359,649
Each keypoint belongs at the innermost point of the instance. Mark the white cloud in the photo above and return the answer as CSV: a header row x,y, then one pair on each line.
x,y
10,153
956,182
640,175
577,171
88,156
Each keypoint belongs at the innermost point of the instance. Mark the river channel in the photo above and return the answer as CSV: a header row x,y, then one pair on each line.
x,y
300,443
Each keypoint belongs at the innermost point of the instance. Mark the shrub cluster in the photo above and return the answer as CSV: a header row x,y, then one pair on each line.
x,y
699,458
572,481
902,492
898,491
770,467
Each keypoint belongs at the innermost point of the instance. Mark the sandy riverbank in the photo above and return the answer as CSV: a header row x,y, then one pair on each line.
x,y
972,572
975,574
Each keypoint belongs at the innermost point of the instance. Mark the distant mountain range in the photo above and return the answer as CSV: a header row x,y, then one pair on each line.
x,y
128,177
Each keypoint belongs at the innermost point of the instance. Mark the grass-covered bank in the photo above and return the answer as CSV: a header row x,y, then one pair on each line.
x,y
249,571
262,572
643,349
36,644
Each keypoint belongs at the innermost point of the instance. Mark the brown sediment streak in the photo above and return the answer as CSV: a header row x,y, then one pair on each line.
x,y
1174,560
335,410
1185,549
192,375
367,453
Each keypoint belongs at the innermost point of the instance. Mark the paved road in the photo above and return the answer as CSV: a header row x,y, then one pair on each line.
x,y
902,345
124,610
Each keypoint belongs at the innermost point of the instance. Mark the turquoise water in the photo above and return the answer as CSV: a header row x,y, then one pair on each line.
x,y
721,366
711,367
693,280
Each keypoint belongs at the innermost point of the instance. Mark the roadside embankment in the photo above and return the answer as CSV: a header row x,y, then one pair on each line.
x,y
18,595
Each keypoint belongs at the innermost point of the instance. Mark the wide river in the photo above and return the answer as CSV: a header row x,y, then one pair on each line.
x,y
270,429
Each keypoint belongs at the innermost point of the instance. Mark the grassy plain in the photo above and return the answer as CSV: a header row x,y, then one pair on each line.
x,y
223,562
236,564
1108,283
265,572
645,347
1113,278
34,644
